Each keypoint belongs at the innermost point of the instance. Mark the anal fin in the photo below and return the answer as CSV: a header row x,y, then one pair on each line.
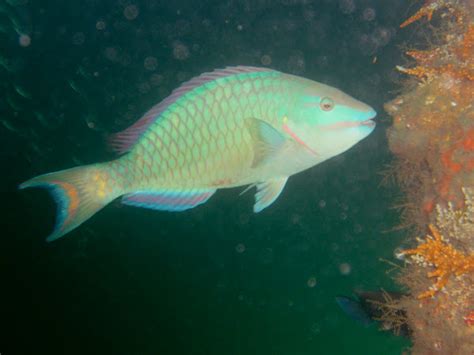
x,y
268,192
168,200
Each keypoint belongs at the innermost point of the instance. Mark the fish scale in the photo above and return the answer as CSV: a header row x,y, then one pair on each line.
x,y
202,163
231,127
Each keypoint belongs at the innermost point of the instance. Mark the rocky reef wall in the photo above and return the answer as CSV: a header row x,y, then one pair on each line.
x,y
432,137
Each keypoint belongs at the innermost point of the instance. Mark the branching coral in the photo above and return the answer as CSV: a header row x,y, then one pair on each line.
x,y
429,63
447,261
437,119
429,8
458,223
426,11
469,319
433,123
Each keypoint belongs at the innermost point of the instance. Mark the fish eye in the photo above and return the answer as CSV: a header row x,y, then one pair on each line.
x,y
326,104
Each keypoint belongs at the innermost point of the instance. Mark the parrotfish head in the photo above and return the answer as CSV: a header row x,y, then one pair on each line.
x,y
327,121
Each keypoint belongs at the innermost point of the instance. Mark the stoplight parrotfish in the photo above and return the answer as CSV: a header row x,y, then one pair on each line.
x,y
231,127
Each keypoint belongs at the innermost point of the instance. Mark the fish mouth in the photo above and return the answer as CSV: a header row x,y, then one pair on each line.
x,y
368,123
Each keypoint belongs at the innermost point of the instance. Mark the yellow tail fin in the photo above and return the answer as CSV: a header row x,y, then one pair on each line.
x,y
79,193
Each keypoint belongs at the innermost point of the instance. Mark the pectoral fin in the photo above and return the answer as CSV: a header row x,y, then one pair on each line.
x,y
268,192
267,141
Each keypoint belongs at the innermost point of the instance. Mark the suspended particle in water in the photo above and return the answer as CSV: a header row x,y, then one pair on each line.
x,y
322,204
244,219
368,14
180,50
240,27
17,2
357,228
111,53
78,38
382,36
240,248
24,40
315,328
397,253
295,218
100,25
91,121
374,79
22,91
181,76
322,61
156,79
150,63
131,12
9,126
296,63
345,269
311,282
125,59
181,28
266,256
347,6
343,216
119,25
266,59
308,14
143,88
367,44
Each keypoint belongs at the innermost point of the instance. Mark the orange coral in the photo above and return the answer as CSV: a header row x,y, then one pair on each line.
x,y
429,61
465,51
425,57
427,10
444,257
456,73
469,319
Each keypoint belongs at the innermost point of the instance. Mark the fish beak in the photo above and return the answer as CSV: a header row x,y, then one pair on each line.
x,y
369,121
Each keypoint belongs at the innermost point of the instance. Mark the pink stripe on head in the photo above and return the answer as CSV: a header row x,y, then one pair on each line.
x,y
343,124
298,139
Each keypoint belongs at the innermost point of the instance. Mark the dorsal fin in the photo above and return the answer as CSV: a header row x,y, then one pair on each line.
x,y
123,141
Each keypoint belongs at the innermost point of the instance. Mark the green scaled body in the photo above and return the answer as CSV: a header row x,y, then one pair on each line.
x,y
231,127
204,139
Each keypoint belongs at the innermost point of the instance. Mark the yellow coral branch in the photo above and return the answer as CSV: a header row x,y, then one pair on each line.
x,y
429,72
430,7
426,10
444,257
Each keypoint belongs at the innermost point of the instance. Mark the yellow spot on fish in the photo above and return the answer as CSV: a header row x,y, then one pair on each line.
x,y
100,179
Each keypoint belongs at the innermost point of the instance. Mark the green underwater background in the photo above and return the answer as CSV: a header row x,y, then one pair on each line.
x,y
217,279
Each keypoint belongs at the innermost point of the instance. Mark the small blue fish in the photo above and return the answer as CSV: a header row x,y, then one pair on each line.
x,y
354,310
369,308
